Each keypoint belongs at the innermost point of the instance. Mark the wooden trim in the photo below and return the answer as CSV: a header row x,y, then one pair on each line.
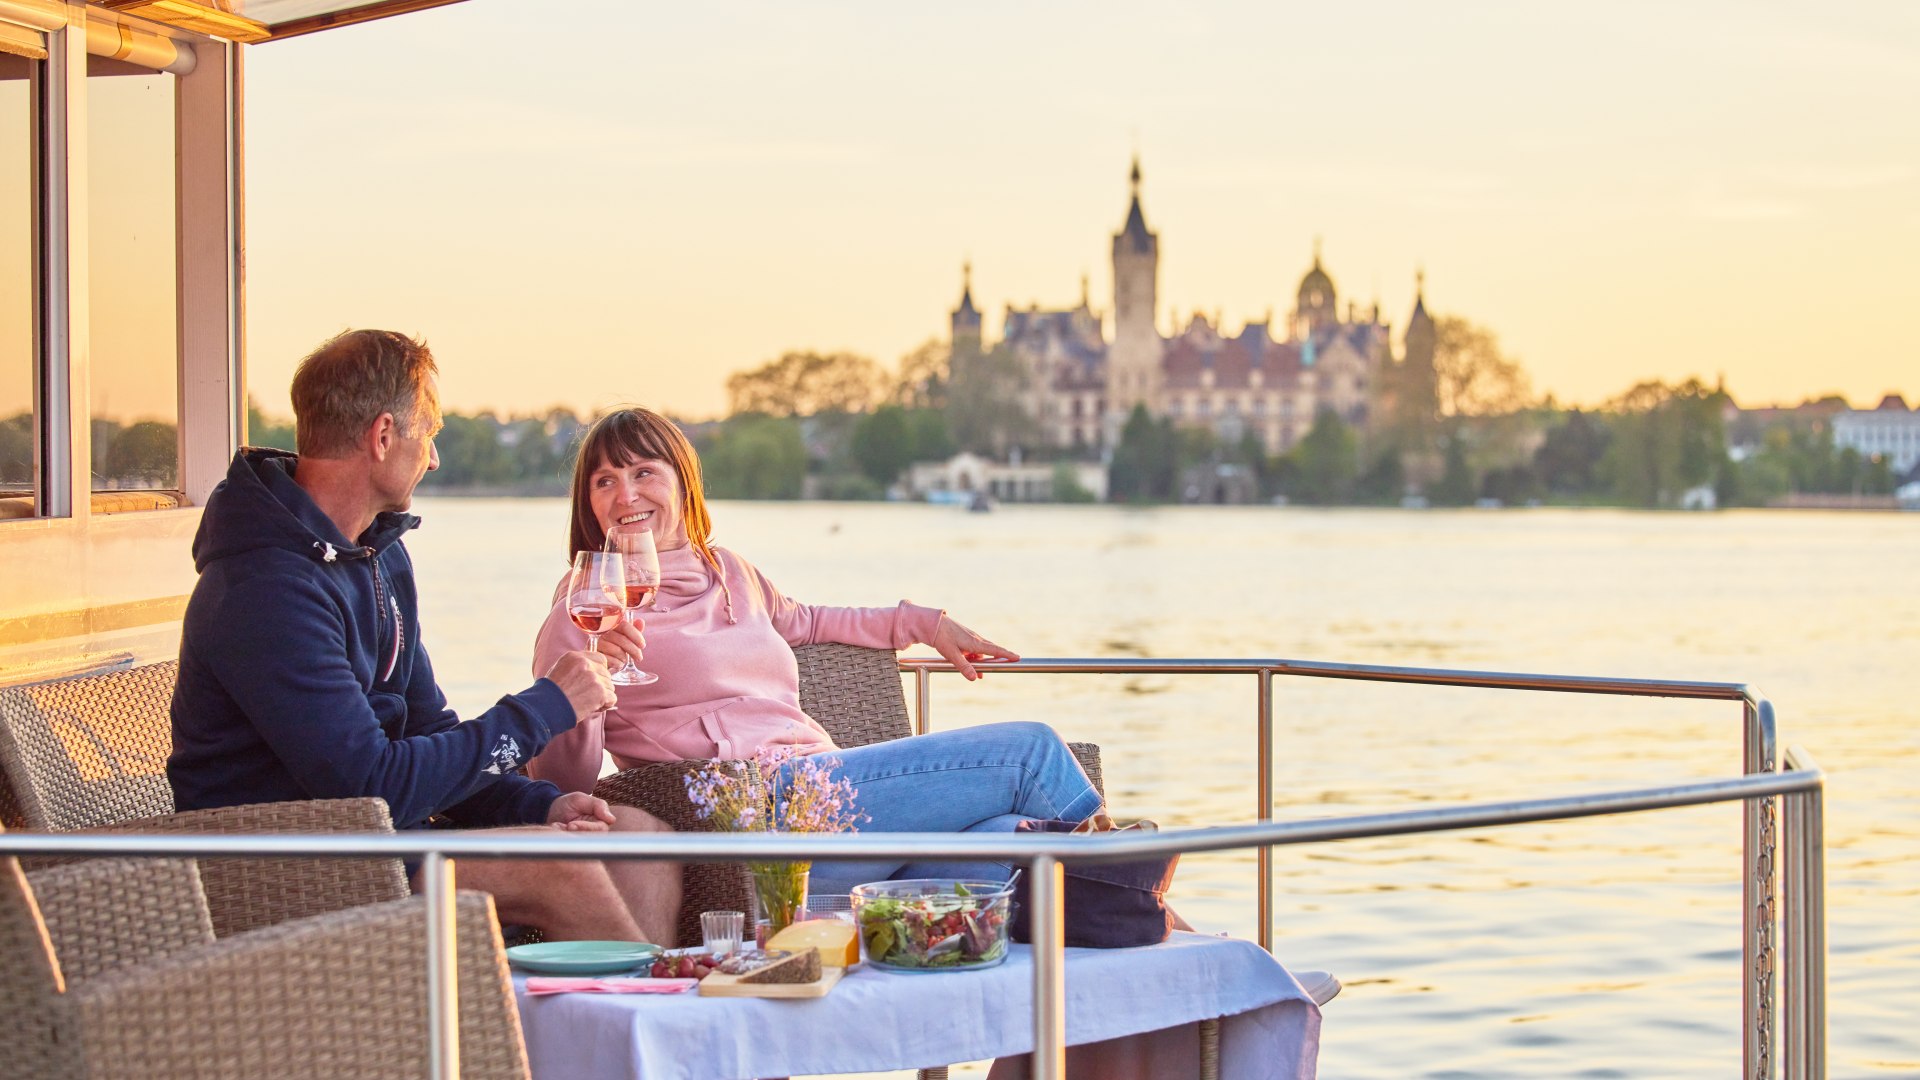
x,y
24,629
364,13
197,17
25,41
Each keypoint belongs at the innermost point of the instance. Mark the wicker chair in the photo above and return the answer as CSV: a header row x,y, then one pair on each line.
x,y
854,693
90,752
111,968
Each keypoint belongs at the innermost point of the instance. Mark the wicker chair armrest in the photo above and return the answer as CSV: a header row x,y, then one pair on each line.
x,y
1088,755
246,894
341,995
106,914
660,789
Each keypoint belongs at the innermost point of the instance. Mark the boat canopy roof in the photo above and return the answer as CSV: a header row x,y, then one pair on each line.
x,y
254,21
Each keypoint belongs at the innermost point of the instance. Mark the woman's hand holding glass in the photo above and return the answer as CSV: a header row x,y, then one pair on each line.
x,y
636,547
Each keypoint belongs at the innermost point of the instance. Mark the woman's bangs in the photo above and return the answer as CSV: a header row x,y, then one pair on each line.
x,y
621,442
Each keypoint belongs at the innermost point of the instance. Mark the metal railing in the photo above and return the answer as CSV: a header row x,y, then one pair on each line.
x,y
1801,785
1758,756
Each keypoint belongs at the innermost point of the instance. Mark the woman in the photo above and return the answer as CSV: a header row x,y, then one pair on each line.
x,y
721,637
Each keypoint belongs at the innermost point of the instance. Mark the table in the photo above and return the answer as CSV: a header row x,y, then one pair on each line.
x,y
875,1020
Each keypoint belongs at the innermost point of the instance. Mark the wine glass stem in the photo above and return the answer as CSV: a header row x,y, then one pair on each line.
x,y
593,642
626,661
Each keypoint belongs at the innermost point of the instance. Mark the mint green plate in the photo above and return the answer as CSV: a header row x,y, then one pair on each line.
x,y
582,957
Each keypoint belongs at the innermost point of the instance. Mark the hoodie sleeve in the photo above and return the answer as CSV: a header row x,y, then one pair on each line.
x,y
894,628
279,646
511,799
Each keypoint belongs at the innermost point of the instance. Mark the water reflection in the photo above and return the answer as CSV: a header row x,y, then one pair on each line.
x,y
1594,947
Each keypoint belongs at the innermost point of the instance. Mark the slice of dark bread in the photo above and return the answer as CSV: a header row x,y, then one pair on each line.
x,y
802,966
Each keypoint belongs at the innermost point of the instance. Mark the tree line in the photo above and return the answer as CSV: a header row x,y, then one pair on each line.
x,y
838,425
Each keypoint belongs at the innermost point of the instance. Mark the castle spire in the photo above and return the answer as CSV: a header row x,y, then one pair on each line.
x,y
965,319
1086,302
966,288
1135,231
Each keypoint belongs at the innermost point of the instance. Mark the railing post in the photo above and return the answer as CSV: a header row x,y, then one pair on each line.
x,y
1757,885
1263,791
443,982
1803,930
922,700
1049,933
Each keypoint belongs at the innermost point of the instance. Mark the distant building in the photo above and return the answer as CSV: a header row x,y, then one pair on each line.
x,y
1890,431
968,474
1747,428
1268,380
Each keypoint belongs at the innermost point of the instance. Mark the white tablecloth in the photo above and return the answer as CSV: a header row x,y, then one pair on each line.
x,y
876,1020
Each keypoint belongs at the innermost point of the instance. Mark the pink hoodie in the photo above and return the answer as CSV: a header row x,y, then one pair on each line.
x,y
724,653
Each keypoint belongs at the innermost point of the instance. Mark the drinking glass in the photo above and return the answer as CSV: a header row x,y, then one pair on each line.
x,y
720,931
595,591
637,591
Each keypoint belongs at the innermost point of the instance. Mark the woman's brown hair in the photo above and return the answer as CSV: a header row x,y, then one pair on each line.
x,y
621,438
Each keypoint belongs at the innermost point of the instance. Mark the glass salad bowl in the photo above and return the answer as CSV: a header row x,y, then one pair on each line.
x,y
932,924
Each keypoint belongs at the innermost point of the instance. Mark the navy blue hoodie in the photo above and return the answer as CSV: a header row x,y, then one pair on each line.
x,y
302,675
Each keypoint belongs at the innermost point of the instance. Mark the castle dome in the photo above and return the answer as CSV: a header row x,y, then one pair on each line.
x,y
1316,288
1315,303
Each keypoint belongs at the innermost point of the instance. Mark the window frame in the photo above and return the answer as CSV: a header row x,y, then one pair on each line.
x,y
208,238
37,126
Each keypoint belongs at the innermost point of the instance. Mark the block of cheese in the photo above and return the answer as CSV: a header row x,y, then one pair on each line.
x,y
801,966
838,942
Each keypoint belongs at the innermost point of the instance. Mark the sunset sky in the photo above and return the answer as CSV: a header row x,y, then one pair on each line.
x,y
632,203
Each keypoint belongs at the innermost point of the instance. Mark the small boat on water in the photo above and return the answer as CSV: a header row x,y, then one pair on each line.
x,y
97,574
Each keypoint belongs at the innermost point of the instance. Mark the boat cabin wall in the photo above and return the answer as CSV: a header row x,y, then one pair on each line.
x,y
132,203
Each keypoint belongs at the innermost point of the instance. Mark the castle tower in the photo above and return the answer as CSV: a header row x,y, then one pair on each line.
x,y
965,320
1420,337
1314,307
1418,380
1133,363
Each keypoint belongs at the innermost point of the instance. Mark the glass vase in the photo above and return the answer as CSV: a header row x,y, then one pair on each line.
x,y
780,890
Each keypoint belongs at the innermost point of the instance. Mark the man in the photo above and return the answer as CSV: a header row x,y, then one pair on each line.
x,y
302,672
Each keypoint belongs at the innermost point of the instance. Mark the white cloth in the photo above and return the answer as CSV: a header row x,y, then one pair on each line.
x,y
876,1020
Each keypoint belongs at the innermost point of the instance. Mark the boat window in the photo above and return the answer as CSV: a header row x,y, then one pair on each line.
x,y
133,292
19,275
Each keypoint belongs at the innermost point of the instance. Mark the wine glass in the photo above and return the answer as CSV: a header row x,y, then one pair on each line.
x,y
635,543
595,590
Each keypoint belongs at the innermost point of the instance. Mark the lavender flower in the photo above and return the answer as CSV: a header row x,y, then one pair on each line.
x,y
777,790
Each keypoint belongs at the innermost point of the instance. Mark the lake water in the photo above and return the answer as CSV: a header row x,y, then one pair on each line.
x,y
1605,947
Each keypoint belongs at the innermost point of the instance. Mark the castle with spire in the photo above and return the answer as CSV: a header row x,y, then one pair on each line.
x,y
1268,380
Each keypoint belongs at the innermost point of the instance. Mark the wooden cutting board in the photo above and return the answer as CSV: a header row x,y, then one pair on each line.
x,y
722,985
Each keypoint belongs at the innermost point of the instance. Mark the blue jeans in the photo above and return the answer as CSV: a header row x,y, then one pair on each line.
x,y
982,779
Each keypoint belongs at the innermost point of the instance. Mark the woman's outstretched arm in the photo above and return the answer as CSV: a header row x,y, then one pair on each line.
x,y
879,628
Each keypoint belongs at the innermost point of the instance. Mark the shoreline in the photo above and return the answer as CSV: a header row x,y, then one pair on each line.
x,y
1863,503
